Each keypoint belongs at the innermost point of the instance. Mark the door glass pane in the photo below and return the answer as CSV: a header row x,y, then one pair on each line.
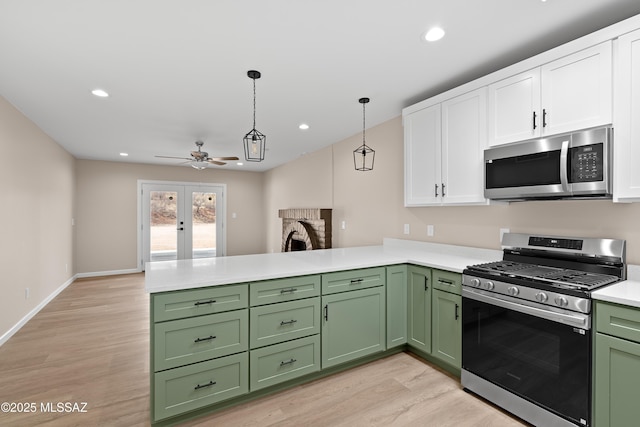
x,y
203,210
163,225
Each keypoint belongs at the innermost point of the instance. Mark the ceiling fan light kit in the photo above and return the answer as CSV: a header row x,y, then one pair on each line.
x,y
363,156
254,141
200,159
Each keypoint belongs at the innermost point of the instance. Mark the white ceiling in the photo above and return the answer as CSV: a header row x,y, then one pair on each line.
x,y
176,69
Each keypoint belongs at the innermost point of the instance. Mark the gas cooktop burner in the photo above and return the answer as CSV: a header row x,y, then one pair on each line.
x,y
557,276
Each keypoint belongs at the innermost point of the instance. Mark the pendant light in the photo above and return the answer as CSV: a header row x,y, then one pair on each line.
x,y
254,141
364,155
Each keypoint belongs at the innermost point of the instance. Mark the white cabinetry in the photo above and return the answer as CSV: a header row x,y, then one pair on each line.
x,y
443,151
571,93
627,119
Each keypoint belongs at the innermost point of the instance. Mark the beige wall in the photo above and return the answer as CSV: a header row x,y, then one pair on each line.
x,y
37,188
107,210
371,203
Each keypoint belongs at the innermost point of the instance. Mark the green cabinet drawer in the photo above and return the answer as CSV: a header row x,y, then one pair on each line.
x,y
447,281
281,290
343,281
198,302
184,389
282,362
185,341
272,324
619,321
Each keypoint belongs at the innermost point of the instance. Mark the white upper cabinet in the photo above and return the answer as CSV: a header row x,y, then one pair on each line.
x,y
571,93
626,182
444,146
422,135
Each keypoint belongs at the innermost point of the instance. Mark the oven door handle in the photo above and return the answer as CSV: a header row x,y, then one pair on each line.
x,y
576,320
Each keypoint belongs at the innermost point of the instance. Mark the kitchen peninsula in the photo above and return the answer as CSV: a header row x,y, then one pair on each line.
x,y
226,330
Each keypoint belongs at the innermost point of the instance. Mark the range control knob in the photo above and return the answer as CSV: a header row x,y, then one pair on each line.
x,y
489,286
561,301
542,297
513,291
475,282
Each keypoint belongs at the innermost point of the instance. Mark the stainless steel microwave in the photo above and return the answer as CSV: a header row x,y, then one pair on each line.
x,y
577,164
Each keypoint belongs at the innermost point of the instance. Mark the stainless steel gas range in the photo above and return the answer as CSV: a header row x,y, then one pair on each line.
x,y
526,340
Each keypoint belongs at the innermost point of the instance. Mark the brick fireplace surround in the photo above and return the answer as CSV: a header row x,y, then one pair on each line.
x,y
305,229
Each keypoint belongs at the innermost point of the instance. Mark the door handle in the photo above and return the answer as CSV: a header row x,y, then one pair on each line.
x,y
426,281
534,121
443,193
457,313
180,229
436,190
544,118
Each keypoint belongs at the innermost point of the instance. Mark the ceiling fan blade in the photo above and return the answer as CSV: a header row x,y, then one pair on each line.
x,y
224,158
215,162
171,157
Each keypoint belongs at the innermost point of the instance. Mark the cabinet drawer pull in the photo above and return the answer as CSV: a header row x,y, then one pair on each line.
x,y
457,313
446,282
198,387
289,290
211,301
209,338
356,281
287,362
288,322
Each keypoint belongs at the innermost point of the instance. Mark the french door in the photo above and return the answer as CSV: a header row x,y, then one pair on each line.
x,y
182,221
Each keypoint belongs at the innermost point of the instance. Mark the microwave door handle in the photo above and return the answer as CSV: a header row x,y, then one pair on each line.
x,y
564,155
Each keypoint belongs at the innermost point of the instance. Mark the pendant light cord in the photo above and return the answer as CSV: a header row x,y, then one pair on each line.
x,y
363,124
254,104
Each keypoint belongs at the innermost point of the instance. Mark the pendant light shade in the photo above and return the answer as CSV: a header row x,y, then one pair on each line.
x,y
363,156
254,141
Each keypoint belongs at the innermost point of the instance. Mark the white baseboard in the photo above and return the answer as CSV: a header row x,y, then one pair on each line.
x,y
5,337
108,273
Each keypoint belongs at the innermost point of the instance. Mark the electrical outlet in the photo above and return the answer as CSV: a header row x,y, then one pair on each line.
x,y
343,225
27,293
66,268
407,229
430,230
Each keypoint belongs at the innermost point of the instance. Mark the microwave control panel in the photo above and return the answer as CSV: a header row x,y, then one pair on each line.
x,y
587,163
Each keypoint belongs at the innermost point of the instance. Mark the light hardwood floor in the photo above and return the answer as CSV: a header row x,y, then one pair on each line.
x,y
91,345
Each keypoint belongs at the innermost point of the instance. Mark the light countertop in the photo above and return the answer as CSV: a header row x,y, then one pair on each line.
x,y
626,292
196,273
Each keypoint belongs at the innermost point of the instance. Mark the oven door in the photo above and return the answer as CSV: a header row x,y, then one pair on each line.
x,y
545,362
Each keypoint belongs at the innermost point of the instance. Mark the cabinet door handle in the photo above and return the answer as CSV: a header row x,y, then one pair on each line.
x,y
443,193
426,282
326,312
198,387
457,313
544,118
534,121
436,190
209,338
288,322
289,290
211,301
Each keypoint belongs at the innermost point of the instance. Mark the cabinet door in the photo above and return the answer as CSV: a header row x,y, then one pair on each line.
x,y
422,134
514,108
617,375
464,137
627,126
577,90
396,305
419,313
353,325
447,327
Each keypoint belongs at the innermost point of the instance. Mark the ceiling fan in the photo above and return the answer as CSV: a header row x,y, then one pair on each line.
x,y
199,159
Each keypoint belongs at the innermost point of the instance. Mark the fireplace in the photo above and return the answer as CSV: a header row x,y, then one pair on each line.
x,y
305,229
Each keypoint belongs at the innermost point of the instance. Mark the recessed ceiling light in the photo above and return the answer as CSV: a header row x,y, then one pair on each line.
x,y
435,33
303,126
99,92
124,154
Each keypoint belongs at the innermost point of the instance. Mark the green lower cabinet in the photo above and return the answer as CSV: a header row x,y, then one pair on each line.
x,y
282,362
396,305
353,325
446,336
617,376
419,308
191,387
